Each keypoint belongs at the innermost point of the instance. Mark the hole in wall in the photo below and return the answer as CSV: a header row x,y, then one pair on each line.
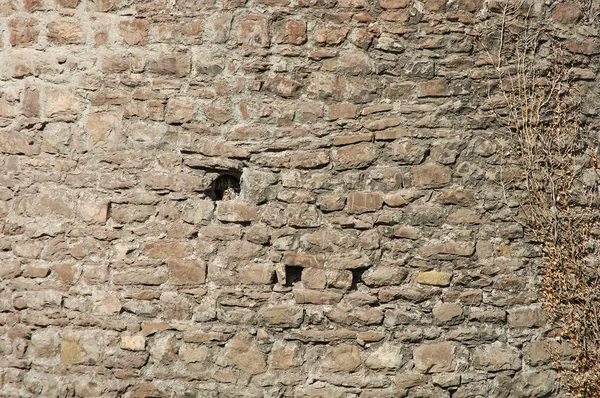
x,y
226,187
292,275
357,277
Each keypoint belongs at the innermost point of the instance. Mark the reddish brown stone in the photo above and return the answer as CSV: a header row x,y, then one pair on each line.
x,y
133,31
294,33
435,88
283,87
186,272
328,35
23,31
568,13
431,175
362,202
344,110
33,5
67,3
65,31
394,4
254,31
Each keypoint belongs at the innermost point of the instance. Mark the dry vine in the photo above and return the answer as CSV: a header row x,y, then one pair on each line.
x,y
546,136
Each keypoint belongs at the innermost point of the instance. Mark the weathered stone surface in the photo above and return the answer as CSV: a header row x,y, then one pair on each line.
x,y
387,356
434,278
233,211
362,202
342,358
284,316
65,31
448,312
133,31
373,249
567,13
61,101
354,156
254,31
431,176
496,357
23,31
244,354
133,343
434,358
186,272
283,87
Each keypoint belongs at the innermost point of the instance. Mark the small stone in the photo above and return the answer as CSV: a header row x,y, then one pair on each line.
x,y
187,272
254,31
387,356
354,156
191,354
344,110
243,353
308,160
447,312
568,13
67,3
342,358
170,64
233,211
71,352
282,316
384,275
314,278
133,31
294,33
382,124
133,343
496,357
407,153
363,202
394,4
257,274
329,35
163,250
434,278
431,175
61,102
179,111
106,303
286,88
65,31
435,88
434,358
23,31
285,355
464,249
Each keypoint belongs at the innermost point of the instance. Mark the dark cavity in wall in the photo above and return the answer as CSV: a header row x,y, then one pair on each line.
x,y
357,277
225,187
292,275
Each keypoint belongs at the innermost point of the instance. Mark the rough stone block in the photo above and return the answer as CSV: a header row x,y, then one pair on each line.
x,y
434,358
363,202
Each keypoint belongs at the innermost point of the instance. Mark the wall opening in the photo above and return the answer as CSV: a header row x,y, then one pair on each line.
x,y
226,187
292,275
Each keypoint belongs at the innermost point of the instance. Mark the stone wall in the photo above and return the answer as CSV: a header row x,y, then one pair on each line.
x,y
370,251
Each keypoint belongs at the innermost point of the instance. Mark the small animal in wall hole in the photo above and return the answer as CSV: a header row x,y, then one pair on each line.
x,y
225,187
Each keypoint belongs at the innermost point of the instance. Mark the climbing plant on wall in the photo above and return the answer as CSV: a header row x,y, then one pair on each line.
x,y
538,102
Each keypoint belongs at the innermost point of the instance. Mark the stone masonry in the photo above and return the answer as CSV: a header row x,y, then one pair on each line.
x,y
370,251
